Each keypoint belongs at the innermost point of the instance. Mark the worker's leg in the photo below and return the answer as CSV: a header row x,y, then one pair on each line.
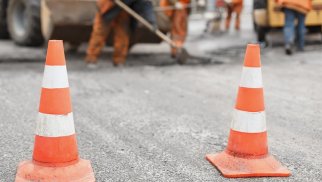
x,y
301,30
98,39
237,22
179,28
238,9
121,38
228,18
289,30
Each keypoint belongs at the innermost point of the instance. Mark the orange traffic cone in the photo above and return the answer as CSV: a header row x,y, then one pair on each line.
x,y
55,156
247,153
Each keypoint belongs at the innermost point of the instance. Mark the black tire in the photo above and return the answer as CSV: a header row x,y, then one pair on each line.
x,y
3,22
24,22
314,29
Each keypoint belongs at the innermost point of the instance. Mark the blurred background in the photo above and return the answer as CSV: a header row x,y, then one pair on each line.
x,y
34,22
155,116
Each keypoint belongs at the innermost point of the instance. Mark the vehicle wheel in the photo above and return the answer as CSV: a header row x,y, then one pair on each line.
x,y
314,29
24,22
3,23
261,34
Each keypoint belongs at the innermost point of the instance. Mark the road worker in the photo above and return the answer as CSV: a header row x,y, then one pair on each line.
x,y
112,19
120,25
233,6
294,9
179,20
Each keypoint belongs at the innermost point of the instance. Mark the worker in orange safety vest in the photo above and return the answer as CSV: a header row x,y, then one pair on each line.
x,y
233,6
101,30
110,18
179,21
294,9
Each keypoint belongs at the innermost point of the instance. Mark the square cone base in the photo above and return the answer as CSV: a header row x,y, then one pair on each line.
x,y
236,167
81,172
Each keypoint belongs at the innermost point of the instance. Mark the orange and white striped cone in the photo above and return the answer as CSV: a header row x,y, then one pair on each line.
x,y
55,156
247,153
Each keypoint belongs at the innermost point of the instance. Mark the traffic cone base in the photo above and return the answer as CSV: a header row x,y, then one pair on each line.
x,y
79,172
246,154
55,155
235,167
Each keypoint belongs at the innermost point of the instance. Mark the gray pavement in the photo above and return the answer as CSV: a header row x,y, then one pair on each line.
x,y
155,121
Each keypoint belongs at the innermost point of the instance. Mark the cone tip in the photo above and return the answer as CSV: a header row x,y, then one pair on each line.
x,y
252,56
55,53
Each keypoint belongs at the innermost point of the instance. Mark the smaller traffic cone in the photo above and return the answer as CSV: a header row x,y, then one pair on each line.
x,y
55,156
247,153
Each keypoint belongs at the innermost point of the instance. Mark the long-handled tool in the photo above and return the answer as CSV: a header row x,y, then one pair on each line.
x,y
182,53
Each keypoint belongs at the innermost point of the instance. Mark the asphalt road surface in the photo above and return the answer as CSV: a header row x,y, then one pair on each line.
x,y
154,120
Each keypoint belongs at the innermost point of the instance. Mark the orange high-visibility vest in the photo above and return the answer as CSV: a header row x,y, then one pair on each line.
x,y
303,6
184,1
167,3
237,1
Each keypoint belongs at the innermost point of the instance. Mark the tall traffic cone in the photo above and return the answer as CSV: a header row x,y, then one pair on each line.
x,y
55,156
247,153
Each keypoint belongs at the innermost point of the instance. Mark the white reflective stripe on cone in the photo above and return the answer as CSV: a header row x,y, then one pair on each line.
x,y
49,125
55,77
251,78
249,122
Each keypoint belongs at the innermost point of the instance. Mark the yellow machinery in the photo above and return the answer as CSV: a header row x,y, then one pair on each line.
x,y
268,16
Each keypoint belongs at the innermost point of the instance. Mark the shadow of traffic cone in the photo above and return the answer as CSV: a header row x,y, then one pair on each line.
x,y
247,154
55,156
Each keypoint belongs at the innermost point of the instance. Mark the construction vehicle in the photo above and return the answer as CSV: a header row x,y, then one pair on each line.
x,y
268,16
32,22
